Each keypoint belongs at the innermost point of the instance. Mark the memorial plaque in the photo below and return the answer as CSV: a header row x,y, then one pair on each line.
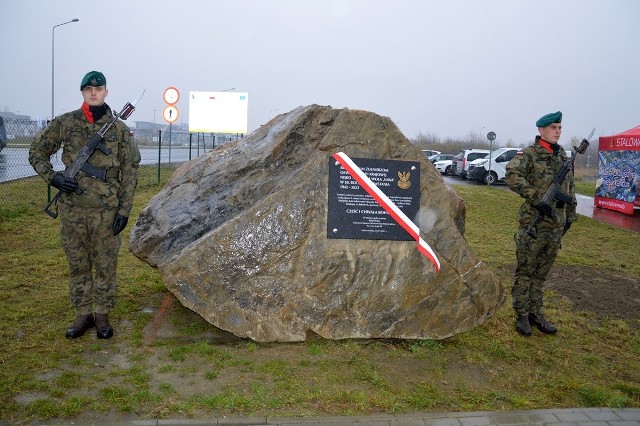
x,y
353,213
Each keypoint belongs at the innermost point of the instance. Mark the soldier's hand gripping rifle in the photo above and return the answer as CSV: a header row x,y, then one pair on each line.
x,y
95,142
553,193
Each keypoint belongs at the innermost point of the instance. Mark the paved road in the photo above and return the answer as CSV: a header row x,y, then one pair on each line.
x,y
585,207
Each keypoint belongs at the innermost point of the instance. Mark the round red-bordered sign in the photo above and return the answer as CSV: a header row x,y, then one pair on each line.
x,y
171,95
170,114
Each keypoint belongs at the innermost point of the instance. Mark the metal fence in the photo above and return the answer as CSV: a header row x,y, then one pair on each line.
x,y
17,177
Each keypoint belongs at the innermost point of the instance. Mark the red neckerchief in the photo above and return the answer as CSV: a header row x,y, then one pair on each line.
x,y
87,112
546,145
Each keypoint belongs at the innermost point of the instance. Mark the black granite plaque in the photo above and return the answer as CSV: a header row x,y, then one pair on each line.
x,y
353,213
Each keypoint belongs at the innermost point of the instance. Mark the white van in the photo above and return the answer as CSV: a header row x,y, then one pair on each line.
x,y
492,168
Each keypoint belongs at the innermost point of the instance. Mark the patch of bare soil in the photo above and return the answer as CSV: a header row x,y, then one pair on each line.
x,y
604,293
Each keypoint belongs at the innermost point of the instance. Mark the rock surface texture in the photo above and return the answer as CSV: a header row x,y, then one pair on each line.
x,y
240,237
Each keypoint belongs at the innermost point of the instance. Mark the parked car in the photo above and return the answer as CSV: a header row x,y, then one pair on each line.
x,y
429,152
491,168
440,157
444,166
465,157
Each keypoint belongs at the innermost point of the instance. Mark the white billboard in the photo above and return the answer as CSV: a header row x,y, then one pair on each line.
x,y
218,112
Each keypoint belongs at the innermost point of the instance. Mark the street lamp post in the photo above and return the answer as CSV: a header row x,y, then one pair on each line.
x,y
53,34
491,136
153,132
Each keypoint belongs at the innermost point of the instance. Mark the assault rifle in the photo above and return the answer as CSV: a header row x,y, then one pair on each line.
x,y
95,142
553,193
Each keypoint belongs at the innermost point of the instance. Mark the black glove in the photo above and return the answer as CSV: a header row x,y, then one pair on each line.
x,y
64,183
567,225
119,223
544,209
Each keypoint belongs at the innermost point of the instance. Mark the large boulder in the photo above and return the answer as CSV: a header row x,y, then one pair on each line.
x,y
240,236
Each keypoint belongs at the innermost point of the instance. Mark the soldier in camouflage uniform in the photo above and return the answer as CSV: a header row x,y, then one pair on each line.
x,y
530,173
90,221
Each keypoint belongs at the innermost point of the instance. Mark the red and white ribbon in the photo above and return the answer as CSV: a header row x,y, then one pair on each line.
x,y
384,201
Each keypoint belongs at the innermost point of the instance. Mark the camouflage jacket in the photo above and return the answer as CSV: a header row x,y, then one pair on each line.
x,y
530,173
72,131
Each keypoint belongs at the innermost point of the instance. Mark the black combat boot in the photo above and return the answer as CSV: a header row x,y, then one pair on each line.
x,y
79,326
522,325
103,328
538,320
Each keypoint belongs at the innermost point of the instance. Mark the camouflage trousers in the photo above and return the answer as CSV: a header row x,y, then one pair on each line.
x,y
92,254
535,258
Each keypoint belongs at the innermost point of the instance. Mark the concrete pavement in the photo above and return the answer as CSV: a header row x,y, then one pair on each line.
x,y
586,208
569,416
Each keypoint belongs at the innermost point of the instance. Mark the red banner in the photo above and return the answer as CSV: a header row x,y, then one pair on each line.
x,y
619,171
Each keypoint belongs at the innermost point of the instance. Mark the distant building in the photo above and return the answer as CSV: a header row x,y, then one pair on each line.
x,y
147,132
19,126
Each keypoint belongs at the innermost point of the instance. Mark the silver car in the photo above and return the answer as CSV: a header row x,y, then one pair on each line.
x,y
465,157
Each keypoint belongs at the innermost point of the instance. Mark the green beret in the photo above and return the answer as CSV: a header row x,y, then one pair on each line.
x,y
545,120
93,79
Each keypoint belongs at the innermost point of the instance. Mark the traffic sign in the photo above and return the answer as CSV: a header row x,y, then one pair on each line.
x,y
491,136
171,95
170,114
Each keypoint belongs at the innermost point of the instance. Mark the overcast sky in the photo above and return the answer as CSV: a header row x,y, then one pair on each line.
x,y
444,68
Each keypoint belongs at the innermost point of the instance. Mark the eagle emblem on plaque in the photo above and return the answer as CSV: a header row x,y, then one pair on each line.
x,y
403,181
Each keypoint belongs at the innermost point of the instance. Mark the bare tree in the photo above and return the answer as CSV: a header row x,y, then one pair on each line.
x,y
474,139
426,141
